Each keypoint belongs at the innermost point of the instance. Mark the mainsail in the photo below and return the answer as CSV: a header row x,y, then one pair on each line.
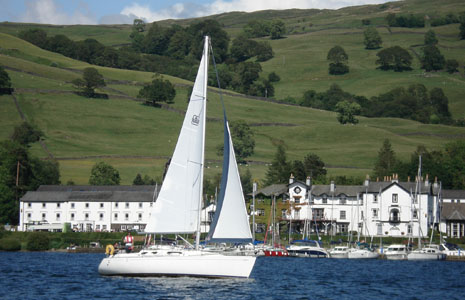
x,y
177,207
230,222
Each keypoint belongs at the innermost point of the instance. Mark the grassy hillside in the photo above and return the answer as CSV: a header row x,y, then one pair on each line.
x,y
138,139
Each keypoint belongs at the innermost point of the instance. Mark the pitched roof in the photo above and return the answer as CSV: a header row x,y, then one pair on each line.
x,y
348,190
453,194
453,211
120,193
274,189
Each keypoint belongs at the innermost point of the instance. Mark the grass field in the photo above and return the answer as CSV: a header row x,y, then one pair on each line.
x,y
136,138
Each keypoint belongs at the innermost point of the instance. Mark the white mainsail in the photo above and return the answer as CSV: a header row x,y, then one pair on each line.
x,y
177,206
230,223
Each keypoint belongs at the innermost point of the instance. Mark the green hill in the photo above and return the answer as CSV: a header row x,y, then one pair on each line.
x,y
138,139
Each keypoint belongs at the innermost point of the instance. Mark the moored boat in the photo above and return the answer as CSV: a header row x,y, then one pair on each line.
x,y
339,252
396,252
307,248
430,252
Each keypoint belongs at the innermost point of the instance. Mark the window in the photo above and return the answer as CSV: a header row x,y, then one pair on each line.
x,y
344,228
139,217
101,205
44,216
97,227
116,204
126,217
127,204
375,213
58,217
380,229
283,213
394,198
87,205
104,227
140,204
72,204
342,215
29,205
58,205
86,216
72,217
43,205
375,198
409,229
151,204
343,200
415,214
325,200
115,216
297,214
260,212
100,216
394,215
29,215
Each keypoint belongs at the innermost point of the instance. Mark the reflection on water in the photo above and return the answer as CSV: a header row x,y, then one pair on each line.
x,y
49,275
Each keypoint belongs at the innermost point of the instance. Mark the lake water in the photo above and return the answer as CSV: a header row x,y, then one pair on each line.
x,y
50,275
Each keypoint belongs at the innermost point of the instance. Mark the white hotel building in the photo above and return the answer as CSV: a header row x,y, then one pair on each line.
x,y
388,208
92,208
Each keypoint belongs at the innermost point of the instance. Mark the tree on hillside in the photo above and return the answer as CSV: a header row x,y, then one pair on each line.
x,y
338,61
432,59
430,38
138,25
462,26
242,48
386,160
372,38
159,90
91,79
257,28
104,174
263,51
314,166
243,140
5,82
26,134
440,104
279,170
33,172
246,181
146,180
394,58
213,29
347,111
452,66
35,36
277,29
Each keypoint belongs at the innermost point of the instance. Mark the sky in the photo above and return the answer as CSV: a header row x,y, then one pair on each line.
x,y
65,12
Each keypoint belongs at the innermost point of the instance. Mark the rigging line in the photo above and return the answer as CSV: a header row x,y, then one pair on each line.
x,y
217,79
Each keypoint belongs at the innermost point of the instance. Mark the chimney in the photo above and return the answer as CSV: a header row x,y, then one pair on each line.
x,y
395,178
435,184
408,179
367,180
291,179
332,187
308,181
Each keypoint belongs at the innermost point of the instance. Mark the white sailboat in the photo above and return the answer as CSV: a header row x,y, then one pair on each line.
x,y
177,209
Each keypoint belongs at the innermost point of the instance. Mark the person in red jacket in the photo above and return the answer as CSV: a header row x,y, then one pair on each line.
x,y
129,242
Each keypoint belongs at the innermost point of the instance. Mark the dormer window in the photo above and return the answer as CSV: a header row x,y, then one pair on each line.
x,y
325,200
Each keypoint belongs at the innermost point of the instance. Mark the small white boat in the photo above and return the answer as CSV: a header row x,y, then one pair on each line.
x,y
451,249
396,252
430,252
306,248
363,254
339,252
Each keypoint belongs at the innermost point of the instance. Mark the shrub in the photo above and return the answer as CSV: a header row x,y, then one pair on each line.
x,y
38,241
10,244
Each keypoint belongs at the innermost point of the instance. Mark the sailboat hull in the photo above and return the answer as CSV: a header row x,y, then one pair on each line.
x,y
362,254
177,263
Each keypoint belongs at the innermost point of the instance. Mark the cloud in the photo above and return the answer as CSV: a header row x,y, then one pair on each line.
x,y
176,11
48,12
189,10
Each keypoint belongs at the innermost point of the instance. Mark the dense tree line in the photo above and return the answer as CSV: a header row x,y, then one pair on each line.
x,y
414,102
447,165
410,21
21,172
171,50
275,29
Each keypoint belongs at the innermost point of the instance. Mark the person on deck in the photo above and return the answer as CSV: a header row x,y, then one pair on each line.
x,y
129,242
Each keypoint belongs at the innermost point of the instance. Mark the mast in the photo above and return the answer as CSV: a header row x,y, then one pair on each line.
x,y
205,84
